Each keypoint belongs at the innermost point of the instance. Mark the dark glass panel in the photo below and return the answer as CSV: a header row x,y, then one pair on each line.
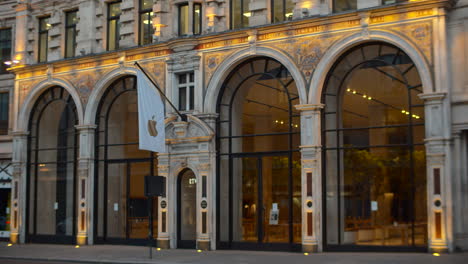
x,y
184,22
197,22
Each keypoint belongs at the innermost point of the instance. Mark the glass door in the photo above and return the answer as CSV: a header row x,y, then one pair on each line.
x,y
127,206
262,202
187,220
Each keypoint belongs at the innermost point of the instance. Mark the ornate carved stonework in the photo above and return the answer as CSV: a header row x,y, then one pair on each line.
x,y
306,52
157,70
212,61
420,34
25,87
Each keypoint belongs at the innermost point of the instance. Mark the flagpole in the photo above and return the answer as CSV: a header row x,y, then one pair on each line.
x,y
183,117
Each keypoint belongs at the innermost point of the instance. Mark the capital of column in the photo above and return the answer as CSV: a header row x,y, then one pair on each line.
x,y
86,128
20,134
310,107
433,98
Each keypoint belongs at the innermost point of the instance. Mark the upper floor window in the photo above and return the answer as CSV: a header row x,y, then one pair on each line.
x,y
43,38
70,33
189,18
186,85
240,13
113,25
5,48
344,5
347,5
281,10
4,106
146,22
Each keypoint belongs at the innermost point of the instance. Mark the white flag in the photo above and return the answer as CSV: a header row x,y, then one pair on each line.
x,y
152,136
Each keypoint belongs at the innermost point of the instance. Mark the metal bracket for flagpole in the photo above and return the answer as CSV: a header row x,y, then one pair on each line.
x,y
183,117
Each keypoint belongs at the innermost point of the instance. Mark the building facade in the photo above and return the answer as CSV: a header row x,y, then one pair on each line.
x,y
311,125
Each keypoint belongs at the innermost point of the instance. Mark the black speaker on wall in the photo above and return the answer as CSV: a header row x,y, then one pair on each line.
x,y
155,186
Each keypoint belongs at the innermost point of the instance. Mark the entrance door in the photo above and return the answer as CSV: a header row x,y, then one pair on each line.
x,y
262,210
187,216
127,207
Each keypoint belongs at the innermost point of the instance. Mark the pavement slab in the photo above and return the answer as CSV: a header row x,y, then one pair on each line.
x,y
48,253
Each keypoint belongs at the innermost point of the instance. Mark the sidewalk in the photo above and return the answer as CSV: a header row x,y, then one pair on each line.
x,y
134,254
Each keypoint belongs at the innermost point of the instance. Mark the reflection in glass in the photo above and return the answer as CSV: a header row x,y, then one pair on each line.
x,y
184,19
122,208
344,5
113,26
188,197
259,135
375,157
146,22
52,157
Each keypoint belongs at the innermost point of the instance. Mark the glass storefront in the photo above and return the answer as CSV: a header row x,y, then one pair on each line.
x,y
121,206
374,156
5,198
52,155
259,163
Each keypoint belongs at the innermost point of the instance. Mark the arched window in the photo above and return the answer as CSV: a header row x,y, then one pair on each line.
x,y
374,156
121,207
259,161
52,155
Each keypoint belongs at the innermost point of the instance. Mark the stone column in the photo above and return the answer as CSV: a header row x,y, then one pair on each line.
x,y
18,190
205,205
311,177
163,205
439,213
85,184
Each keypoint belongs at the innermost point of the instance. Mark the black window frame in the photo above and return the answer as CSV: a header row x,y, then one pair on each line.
x,y
179,16
272,11
41,33
199,18
7,41
142,39
72,26
231,14
4,108
112,18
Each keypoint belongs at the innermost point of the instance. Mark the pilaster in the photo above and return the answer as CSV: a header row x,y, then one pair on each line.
x,y
311,177
163,205
438,174
18,190
85,183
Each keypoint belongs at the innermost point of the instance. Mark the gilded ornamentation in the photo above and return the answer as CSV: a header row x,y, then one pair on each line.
x,y
157,71
212,62
420,34
306,53
25,87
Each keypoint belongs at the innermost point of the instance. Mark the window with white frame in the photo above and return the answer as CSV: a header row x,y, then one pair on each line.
x,y
186,88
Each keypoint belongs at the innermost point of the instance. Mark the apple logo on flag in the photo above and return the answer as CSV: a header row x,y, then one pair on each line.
x,y
152,127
